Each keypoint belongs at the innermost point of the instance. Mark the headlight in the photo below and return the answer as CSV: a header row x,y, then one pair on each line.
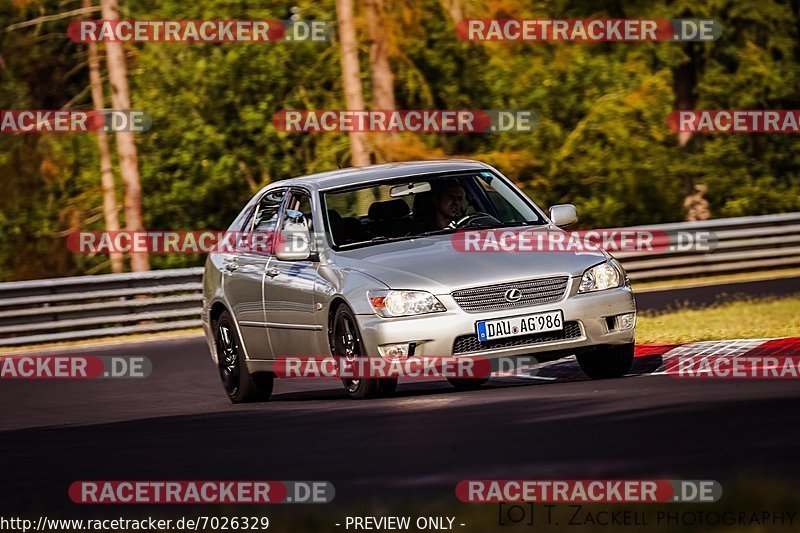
x,y
604,276
404,303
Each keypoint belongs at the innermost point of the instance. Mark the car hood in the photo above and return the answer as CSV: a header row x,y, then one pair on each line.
x,y
435,265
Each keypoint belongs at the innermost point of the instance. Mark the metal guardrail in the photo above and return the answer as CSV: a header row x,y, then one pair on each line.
x,y
744,244
81,307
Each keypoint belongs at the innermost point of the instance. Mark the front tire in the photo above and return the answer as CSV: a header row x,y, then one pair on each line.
x,y
607,362
346,345
239,384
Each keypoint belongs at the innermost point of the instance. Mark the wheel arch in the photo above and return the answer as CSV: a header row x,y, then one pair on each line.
x,y
216,310
334,306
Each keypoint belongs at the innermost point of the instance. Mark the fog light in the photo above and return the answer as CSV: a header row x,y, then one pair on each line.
x,y
394,352
626,321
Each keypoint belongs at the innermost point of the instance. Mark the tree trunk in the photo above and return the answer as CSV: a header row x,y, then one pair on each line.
x,y
384,147
106,173
351,78
126,145
381,71
685,85
685,82
455,9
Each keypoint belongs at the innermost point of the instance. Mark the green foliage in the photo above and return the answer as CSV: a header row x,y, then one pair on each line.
x,y
601,142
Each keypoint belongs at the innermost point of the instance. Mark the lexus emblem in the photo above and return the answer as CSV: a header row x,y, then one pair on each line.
x,y
513,295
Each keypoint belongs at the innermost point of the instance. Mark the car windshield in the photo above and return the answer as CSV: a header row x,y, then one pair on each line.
x,y
416,206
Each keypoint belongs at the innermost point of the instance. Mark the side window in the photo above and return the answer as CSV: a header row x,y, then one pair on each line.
x,y
243,220
298,211
267,214
257,234
303,205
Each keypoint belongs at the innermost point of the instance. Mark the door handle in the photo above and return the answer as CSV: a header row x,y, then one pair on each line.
x,y
272,272
231,263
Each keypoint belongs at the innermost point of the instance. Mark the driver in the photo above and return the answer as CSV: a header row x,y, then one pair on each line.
x,y
448,200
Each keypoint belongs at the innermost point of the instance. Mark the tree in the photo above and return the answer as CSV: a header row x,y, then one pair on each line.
x,y
380,69
351,77
106,173
601,140
126,145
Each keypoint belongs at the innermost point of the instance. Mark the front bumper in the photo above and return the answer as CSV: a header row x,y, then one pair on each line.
x,y
434,335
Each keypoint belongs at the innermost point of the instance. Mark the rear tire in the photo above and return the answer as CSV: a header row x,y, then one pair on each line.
x,y
346,345
607,362
467,383
239,384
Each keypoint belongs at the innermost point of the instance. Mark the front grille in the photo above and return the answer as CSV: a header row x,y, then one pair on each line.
x,y
470,343
492,297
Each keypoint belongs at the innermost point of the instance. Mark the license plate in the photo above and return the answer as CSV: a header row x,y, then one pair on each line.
x,y
519,325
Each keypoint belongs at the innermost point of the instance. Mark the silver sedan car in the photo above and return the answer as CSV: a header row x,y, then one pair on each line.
x,y
383,275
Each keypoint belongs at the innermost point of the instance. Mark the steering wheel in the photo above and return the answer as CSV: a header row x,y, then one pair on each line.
x,y
472,219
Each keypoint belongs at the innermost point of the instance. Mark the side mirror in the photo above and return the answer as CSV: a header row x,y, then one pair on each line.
x,y
563,214
293,246
294,240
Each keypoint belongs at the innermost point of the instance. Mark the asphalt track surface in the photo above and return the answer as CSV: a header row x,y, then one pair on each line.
x,y
177,424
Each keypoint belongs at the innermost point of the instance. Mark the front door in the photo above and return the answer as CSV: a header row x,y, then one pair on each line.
x,y
295,326
243,275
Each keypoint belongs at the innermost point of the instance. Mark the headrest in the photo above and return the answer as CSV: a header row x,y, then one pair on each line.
x,y
423,200
390,209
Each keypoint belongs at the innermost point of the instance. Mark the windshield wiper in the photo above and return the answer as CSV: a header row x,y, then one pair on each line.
x,y
442,231
521,223
382,238
501,225
376,240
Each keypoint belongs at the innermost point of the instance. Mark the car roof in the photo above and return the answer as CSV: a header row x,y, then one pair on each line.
x,y
356,175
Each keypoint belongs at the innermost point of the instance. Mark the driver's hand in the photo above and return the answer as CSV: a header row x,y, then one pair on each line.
x,y
454,222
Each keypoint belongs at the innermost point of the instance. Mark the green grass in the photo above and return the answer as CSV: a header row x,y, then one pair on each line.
x,y
746,319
